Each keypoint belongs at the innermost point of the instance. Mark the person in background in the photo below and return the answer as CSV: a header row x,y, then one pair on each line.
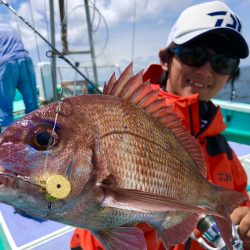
x,y
16,72
202,54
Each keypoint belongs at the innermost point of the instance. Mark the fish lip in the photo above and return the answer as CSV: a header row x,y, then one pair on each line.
x,y
10,179
5,177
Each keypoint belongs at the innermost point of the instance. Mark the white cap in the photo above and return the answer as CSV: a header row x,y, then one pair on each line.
x,y
208,17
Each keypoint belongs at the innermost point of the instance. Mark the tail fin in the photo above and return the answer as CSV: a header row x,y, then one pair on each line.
x,y
229,201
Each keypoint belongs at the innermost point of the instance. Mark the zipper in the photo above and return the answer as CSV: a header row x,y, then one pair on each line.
x,y
191,120
207,126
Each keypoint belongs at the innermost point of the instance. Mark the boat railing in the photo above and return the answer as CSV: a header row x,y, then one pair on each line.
x,y
68,80
234,106
245,161
73,84
236,116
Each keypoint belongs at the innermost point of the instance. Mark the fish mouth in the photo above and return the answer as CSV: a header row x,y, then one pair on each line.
x,y
10,179
25,185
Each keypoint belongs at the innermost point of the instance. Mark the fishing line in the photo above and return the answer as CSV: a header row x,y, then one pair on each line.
x,y
54,52
22,178
57,111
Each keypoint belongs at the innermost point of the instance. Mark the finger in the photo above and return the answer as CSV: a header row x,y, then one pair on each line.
x,y
238,214
244,226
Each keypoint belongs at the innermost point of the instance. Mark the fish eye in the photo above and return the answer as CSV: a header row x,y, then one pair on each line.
x,y
43,138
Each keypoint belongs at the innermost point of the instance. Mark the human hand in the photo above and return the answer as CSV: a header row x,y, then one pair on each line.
x,y
241,216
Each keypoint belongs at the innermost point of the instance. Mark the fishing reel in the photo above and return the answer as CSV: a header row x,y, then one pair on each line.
x,y
207,234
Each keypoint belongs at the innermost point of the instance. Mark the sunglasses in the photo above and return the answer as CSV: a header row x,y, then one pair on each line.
x,y
196,57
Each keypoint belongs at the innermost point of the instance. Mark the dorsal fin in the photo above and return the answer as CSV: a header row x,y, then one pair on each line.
x,y
108,87
123,79
134,90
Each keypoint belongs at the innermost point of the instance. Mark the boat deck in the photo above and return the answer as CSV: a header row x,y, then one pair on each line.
x,y
18,232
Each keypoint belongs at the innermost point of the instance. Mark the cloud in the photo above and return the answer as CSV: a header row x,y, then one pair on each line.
x,y
120,11
153,20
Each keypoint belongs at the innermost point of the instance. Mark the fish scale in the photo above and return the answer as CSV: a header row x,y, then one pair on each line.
x,y
108,126
160,139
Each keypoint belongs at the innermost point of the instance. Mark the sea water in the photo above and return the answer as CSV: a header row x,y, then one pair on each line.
x,y
239,91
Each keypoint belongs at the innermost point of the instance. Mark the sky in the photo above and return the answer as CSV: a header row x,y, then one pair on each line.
x,y
124,31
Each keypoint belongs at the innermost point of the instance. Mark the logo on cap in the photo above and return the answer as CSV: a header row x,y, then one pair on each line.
x,y
234,23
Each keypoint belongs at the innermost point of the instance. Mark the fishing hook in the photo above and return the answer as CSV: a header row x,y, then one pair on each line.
x,y
50,206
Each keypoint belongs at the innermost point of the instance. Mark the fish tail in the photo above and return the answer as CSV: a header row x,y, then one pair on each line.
x,y
225,201
229,200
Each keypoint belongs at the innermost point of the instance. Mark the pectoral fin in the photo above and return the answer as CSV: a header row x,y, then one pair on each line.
x,y
147,202
125,238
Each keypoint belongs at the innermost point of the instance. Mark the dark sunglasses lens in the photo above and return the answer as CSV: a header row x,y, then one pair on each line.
x,y
194,57
224,65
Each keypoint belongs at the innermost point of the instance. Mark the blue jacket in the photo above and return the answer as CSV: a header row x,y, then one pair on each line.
x,y
11,46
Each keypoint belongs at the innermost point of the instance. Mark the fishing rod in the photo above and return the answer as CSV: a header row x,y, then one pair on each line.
x,y
54,52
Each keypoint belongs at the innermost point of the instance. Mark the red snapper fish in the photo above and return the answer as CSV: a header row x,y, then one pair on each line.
x,y
107,162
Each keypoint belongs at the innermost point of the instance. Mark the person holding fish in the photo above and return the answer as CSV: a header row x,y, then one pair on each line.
x,y
203,52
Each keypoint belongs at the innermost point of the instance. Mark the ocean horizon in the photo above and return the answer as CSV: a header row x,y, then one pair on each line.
x,y
241,87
